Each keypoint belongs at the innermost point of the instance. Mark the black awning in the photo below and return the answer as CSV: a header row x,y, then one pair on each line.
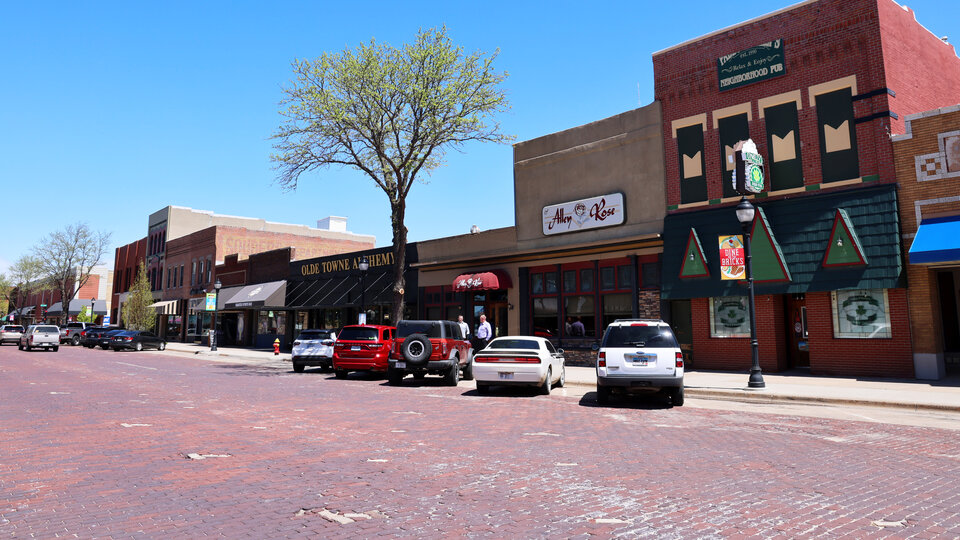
x,y
339,291
271,294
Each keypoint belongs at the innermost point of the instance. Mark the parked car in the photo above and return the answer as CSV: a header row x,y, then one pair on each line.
x,y
313,348
519,360
430,347
362,347
90,337
10,333
104,339
46,336
70,332
639,356
137,341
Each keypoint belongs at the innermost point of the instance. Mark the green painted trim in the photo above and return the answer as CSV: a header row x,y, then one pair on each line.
x,y
761,195
767,258
694,262
673,206
715,201
843,246
870,178
812,187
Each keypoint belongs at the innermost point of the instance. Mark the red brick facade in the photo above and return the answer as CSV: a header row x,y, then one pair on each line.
x,y
126,261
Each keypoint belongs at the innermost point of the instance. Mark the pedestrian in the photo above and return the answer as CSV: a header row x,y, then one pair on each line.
x,y
484,333
464,327
578,328
568,327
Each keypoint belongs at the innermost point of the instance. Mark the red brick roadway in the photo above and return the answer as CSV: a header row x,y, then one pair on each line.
x,y
97,444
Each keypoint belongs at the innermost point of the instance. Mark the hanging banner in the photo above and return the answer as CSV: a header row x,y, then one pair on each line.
x,y
732,258
211,301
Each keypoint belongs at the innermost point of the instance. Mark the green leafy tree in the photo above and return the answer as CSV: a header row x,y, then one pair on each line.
x,y
86,315
390,113
6,290
137,313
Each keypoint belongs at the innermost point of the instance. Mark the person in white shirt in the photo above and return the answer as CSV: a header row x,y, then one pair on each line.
x,y
484,333
464,327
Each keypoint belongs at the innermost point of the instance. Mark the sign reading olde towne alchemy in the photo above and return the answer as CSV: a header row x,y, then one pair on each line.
x,y
751,65
592,213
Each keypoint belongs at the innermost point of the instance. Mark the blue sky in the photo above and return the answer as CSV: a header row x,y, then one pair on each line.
x,y
112,110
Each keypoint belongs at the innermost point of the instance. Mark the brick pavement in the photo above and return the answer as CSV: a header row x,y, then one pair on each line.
x,y
96,444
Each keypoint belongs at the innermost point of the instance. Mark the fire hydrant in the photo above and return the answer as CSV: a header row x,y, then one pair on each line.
x,y
276,346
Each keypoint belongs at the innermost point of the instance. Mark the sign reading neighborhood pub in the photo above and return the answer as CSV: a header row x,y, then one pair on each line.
x,y
592,213
752,65
732,259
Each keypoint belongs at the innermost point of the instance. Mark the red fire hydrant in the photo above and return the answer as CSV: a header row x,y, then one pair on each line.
x,y
276,346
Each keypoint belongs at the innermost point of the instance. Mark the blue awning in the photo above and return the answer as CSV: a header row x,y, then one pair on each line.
x,y
937,241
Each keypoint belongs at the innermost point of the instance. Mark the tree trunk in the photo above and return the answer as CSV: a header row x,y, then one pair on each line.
x,y
397,210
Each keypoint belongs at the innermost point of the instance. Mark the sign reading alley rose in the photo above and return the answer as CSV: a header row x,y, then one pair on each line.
x,y
592,213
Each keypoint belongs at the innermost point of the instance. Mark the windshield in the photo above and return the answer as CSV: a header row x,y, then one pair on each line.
x,y
314,334
430,328
511,343
13,329
358,334
46,329
639,336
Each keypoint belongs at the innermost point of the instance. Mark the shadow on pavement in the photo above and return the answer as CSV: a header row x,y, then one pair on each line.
x,y
640,402
508,391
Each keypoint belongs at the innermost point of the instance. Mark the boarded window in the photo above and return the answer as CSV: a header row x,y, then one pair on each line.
x,y
838,136
733,129
784,166
693,179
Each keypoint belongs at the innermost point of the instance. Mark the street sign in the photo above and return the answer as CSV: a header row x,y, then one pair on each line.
x,y
211,301
106,320
43,305
732,259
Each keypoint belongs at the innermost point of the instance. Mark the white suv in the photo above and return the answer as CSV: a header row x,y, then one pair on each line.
x,y
639,355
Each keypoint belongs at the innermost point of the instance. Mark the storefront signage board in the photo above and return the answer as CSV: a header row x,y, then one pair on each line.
x,y
751,65
732,259
592,213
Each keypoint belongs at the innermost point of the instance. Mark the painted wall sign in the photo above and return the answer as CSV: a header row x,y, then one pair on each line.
x,y
592,213
752,65
732,258
346,264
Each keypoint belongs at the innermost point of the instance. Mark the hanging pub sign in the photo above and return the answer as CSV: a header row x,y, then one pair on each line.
x,y
592,213
732,259
751,65
748,168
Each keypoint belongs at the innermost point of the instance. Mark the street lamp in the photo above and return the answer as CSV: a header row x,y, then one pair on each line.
x,y
745,215
364,265
216,300
92,317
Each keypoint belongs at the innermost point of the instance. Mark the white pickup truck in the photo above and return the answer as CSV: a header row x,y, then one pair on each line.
x,y
44,336
71,333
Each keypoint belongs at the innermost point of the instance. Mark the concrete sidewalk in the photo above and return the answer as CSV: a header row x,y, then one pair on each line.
x,y
794,386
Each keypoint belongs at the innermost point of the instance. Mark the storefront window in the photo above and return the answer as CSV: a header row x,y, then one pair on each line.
x,y
861,314
569,281
650,275
272,322
453,312
616,306
545,317
586,279
582,311
433,313
174,326
729,317
625,277
607,279
536,283
550,282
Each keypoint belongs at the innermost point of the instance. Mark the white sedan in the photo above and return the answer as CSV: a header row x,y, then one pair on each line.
x,y
519,360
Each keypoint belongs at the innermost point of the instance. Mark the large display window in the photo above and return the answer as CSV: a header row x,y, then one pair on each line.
x,y
861,314
729,317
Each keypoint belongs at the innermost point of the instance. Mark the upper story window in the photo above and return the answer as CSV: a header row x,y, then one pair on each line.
x,y
688,133
836,129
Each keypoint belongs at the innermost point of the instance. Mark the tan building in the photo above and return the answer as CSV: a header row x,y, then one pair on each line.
x,y
927,158
589,207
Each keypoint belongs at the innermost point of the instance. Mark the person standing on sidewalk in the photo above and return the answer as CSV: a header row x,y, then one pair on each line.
x,y
484,333
464,327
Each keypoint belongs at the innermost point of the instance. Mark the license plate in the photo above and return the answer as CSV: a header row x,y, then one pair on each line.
x,y
506,375
641,359
401,365
355,348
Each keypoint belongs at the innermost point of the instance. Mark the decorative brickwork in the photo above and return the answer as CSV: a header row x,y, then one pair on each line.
x,y
649,300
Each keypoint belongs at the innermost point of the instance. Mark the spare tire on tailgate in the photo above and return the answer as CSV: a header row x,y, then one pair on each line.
x,y
416,348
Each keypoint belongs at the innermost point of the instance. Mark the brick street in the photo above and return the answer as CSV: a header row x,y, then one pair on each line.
x,y
99,444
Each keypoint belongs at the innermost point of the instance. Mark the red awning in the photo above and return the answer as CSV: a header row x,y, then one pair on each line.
x,y
483,281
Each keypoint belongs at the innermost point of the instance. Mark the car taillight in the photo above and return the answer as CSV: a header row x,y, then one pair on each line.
x,y
507,359
339,345
83,333
601,359
679,359
443,348
128,339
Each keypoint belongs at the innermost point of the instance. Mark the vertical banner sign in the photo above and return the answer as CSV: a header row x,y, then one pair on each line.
x,y
732,259
211,301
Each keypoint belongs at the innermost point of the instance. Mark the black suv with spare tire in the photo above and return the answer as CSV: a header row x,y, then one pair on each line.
x,y
430,347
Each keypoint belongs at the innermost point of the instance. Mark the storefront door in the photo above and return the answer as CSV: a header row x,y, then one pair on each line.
x,y
950,319
796,317
681,321
499,322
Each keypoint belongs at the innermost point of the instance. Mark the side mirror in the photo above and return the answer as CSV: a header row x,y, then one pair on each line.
x,y
559,351
595,347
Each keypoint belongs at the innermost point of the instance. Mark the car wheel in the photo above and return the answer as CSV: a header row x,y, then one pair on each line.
x,y
340,373
75,341
483,389
29,348
395,377
56,348
297,367
116,349
452,378
162,346
20,346
563,377
138,346
416,348
468,371
603,395
676,397
547,382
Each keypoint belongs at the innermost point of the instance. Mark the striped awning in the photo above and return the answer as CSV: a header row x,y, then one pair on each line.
x,y
166,307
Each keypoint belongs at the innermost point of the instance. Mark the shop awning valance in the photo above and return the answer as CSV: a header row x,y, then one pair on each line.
x,y
166,307
271,294
937,241
78,306
482,281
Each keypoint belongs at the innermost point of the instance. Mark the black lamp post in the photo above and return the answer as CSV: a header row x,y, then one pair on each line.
x,y
745,215
92,316
364,265
213,331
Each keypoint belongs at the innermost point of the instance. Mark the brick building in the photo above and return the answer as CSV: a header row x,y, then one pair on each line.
x,y
126,262
819,86
42,302
928,167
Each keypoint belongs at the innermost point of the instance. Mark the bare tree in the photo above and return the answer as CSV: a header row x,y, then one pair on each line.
x,y
68,257
390,113
25,275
